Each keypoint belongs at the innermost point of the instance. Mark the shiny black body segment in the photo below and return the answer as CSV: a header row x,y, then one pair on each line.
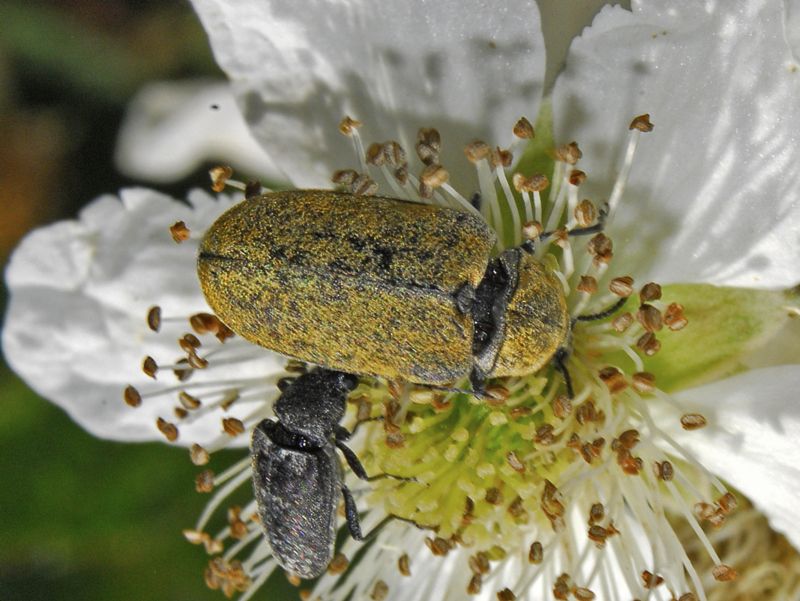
x,y
297,476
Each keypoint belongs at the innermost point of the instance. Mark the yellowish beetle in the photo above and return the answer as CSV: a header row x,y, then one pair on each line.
x,y
382,287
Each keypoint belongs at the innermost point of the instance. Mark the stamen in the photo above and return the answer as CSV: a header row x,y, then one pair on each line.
x,y
638,126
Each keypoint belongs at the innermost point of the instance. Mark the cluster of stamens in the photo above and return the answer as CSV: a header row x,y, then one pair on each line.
x,y
533,490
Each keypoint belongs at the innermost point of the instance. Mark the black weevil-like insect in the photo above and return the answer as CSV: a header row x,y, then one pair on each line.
x,y
297,477
384,287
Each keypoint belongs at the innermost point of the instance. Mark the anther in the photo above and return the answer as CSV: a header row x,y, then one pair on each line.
x,y
648,344
180,412
562,587
150,367
189,343
674,317
474,586
562,406
375,155
494,496
585,213
179,231
347,125
232,426
132,396
600,248
534,183
629,439
197,361
643,382
338,564
183,373
380,591
536,553
596,513
642,123
650,318
651,580
650,292
501,158
613,378
728,502
544,435
576,178
404,565
517,511
587,412
693,421
198,455
568,153
169,430
506,595
220,176
188,401
532,230
204,481
238,528
621,286
154,318
395,154
429,143
477,151
588,284
434,176
514,462
344,177
583,594
622,322
524,129
438,546
479,563
664,470
204,323
364,186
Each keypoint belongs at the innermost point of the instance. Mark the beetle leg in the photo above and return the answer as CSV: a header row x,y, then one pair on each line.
x,y
284,383
351,514
391,517
476,200
478,380
358,469
560,363
465,298
342,434
352,459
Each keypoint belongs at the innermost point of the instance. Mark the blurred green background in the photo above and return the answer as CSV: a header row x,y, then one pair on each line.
x,y
82,518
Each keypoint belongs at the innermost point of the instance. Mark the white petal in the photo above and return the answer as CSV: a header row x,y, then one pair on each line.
x,y
753,439
75,328
470,70
172,128
715,189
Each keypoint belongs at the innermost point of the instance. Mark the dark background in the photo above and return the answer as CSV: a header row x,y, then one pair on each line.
x,y
82,518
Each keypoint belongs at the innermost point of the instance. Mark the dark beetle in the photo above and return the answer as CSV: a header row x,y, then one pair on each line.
x,y
382,287
297,476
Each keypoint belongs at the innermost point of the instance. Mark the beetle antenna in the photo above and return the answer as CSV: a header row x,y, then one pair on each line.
x,y
602,314
585,231
560,363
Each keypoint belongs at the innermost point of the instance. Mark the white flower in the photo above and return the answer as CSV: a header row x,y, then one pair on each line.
x,y
171,128
712,198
